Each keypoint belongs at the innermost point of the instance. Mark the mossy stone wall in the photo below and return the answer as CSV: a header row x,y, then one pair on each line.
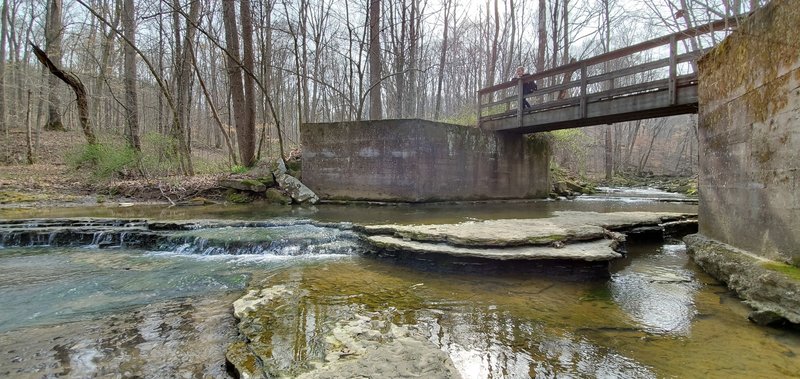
x,y
418,161
749,129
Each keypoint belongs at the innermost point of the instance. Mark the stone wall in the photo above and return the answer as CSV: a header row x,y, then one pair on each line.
x,y
749,129
417,160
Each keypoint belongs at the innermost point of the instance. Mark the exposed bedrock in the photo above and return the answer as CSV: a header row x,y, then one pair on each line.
x,y
578,236
772,289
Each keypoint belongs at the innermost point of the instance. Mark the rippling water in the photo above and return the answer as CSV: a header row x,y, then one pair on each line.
x,y
82,312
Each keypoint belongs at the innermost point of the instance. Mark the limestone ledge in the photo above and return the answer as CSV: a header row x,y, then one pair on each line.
x,y
773,295
564,227
568,235
599,250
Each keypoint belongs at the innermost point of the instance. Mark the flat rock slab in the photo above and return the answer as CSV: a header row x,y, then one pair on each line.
x,y
599,250
563,227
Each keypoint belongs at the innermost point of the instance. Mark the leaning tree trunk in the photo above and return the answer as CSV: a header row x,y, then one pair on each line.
x,y
77,86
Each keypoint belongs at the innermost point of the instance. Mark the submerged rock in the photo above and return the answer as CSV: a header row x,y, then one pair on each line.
x,y
770,293
356,345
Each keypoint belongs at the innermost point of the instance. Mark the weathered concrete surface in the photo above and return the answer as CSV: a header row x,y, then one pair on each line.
x,y
772,294
599,250
749,129
567,236
417,160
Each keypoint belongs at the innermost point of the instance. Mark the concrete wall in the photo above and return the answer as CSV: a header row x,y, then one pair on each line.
x,y
417,160
749,129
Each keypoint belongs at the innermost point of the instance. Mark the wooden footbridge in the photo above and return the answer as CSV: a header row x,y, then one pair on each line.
x,y
650,79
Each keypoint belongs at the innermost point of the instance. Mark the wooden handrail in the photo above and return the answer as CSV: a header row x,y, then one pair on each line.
x,y
585,80
619,53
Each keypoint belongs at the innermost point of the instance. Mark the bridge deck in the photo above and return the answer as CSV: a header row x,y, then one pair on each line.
x,y
589,92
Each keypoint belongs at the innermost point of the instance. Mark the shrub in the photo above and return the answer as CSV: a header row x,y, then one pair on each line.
x,y
105,161
238,169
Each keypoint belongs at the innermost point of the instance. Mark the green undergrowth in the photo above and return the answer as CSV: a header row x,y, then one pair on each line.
x,y
103,160
113,158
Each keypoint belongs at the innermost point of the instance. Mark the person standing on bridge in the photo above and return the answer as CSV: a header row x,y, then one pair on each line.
x,y
527,87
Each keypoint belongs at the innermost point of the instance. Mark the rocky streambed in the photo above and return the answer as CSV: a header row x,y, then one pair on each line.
x,y
356,315
352,339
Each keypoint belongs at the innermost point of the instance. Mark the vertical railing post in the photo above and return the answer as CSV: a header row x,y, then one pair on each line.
x,y
673,70
584,82
520,99
480,111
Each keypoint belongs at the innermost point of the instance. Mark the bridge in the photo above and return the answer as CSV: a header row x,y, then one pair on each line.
x,y
606,88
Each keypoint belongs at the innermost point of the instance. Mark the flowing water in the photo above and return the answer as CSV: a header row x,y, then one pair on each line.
x,y
166,312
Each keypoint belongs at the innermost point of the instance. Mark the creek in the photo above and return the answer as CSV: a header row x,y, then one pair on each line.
x,y
80,310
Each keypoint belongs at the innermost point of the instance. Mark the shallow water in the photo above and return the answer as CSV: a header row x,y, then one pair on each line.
x,y
81,312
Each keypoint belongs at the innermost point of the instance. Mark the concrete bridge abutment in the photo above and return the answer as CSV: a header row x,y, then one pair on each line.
x,y
412,160
749,184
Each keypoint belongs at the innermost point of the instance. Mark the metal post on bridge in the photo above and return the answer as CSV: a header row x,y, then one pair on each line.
x,y
583,103
673,70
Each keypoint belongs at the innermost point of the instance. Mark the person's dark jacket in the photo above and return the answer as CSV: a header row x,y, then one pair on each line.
x,y
529,87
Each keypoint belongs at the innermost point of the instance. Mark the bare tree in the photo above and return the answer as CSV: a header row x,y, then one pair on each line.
x,y
131,96
53,34
375,103
77,86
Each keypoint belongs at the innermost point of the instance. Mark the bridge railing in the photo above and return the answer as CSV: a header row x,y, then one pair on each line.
x,y
603,76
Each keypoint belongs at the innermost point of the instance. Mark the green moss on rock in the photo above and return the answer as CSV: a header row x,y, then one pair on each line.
x,y
790,271
275,196
237,197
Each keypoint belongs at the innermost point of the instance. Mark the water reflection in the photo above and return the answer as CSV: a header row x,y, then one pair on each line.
x,y
656,289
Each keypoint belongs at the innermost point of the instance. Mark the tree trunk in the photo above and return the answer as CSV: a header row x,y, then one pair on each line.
x,y
131,100
541,33
375,104
442,60
79,89
3,38
609,154
28,140
235,80
492,64
53,46
248,132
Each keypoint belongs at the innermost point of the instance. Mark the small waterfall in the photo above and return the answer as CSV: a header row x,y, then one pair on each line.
x,y
207,237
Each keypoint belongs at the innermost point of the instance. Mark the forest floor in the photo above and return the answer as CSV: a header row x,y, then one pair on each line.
x,y
53,182
58,185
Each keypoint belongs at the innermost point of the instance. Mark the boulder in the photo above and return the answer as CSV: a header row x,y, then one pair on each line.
x,y
772,294
275,196
251,185
278,167
267,180
296,189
